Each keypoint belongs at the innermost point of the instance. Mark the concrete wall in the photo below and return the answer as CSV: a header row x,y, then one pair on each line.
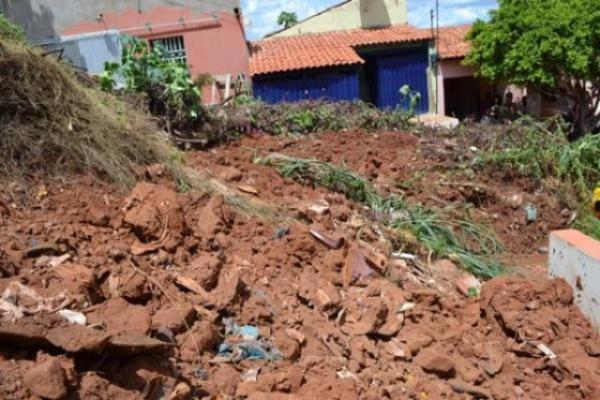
x,y
214,40
575,257
44,19
214,46
353,14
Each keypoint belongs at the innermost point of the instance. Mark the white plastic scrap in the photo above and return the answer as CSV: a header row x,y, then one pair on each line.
x,y
407,306
345,374
546,350
19,300
404,256
320,207
73,317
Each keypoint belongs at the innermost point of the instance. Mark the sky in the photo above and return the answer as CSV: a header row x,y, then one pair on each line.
x,y
261,15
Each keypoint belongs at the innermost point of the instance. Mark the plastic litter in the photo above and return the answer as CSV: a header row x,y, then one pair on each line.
x,y
18,300
244,343
332,243
345,374
320,207
281,232
531,213
73,317
404,256
546,350
405,307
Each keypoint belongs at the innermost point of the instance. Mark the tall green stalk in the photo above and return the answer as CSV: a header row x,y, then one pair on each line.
x,y
437,234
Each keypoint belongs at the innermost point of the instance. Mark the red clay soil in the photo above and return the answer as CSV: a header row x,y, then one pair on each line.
x,y
415,168
156,272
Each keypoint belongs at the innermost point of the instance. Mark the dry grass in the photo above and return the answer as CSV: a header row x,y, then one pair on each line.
x,y
191,179
51,123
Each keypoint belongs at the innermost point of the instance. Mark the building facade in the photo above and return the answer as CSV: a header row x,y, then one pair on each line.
x,y
351,51
459,92
352,14
208,35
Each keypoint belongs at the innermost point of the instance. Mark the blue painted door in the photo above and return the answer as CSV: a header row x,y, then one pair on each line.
x,y
392,71
333,85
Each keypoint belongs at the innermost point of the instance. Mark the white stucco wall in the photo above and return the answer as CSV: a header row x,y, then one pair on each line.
x,y
575,257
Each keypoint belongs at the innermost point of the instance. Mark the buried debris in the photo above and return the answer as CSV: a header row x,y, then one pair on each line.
x,y
441,236
244,343
331,242
19,300
355,267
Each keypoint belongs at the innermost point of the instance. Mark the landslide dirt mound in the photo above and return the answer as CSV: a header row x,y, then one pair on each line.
x,y
52,124
421,169
159,294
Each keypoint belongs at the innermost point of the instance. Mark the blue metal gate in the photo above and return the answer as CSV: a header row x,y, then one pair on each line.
x,y
391,71
334,85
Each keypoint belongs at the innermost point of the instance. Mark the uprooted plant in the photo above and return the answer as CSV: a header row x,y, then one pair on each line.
x,y
543,152
454,239
313,116
170,89
534,150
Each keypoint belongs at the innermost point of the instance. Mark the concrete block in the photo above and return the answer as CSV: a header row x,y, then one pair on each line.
x,y
575,257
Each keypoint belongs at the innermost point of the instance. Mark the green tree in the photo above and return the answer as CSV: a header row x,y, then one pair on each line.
x,y
287,19
552,45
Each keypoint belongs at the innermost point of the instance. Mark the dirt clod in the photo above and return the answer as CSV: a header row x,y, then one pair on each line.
x,y
432,361
47,380
377,318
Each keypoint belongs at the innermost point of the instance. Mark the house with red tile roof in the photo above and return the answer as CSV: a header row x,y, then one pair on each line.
x,y
359,49
208,36
460,93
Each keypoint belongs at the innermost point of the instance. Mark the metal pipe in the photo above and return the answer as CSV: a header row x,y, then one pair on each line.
x,y
215,18
437,46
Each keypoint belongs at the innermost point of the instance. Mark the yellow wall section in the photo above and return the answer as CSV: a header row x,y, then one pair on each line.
x,y
354,14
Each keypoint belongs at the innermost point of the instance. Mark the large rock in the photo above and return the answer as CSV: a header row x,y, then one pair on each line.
x,y
215,217
149,207
203,337
47,380
119,316
92,386
176,317
205,270
436,362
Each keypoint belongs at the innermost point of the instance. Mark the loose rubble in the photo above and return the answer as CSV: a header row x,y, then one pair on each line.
x,y
218,305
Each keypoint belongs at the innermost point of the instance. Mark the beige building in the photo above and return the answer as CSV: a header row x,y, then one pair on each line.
x,y
351,14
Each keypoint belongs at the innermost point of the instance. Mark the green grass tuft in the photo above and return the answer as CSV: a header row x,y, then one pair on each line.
x,y
462,241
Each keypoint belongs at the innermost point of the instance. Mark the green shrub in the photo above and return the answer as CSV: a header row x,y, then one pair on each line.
x,y
460,240
11,32
168,84
536,151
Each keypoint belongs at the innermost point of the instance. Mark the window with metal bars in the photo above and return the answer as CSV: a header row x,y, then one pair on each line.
x,y
173,48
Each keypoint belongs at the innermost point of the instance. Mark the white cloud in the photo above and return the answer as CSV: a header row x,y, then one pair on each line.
x,y
261,15
452,12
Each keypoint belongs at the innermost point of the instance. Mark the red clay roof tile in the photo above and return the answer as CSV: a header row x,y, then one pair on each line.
x,y
453,42
329,49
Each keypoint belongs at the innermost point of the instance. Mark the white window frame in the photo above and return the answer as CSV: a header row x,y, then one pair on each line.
x,y
174,48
